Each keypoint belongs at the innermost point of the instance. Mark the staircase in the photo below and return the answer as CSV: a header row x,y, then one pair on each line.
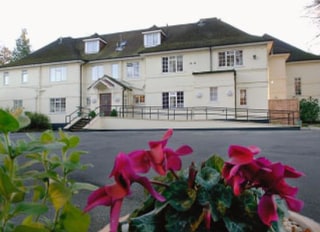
x,y
82,122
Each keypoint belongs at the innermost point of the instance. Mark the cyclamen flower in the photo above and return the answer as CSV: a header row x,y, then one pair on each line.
x,y
244,171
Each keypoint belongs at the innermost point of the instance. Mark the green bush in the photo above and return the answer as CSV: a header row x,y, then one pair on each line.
x,y
114,113
38,121
309,110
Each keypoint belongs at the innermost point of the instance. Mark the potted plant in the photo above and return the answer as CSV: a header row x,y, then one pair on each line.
x,y
244,193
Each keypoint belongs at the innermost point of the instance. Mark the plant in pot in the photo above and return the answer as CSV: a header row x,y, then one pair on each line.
x,y
244,193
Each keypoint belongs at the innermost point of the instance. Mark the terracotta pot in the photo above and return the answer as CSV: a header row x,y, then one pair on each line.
x,y
307,224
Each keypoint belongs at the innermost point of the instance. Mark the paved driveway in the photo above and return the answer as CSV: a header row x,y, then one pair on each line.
x,y
299,148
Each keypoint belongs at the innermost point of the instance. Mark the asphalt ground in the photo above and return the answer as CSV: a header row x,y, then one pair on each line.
x,y
297,148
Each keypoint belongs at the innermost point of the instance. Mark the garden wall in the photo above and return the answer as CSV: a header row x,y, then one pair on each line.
x,y
284,111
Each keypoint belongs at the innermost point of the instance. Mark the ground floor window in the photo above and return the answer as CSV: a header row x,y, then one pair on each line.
x,y
243,97
172,99
17,104
213,94
139,99
57,105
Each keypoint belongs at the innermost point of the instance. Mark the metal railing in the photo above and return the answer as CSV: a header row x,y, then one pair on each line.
x,y
201,113
80,112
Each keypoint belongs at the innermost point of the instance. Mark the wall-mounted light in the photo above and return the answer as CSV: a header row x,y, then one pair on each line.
x,y
254,57
199,95
229,93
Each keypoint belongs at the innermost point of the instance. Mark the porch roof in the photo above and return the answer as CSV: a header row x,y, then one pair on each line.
x,y
110,82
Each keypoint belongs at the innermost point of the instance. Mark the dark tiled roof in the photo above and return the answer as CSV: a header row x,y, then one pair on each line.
x,y
206,32
296,54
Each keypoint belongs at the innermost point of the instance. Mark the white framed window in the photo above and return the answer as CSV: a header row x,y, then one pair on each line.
x,y
297,86
172,100
6,78
92,46
115,71
24,76
58,74
97,72
230,58
139,99
152,39
243,97
133,70
172,64
213,94
17,103
57,105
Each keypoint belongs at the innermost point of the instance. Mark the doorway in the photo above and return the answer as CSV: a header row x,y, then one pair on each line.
x,y
105,104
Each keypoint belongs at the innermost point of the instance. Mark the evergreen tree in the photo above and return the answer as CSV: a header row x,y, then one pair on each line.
x,y
5,55
23,47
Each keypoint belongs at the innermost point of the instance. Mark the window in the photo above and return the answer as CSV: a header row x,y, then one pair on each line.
x,y
243,97
92,46
172,64
5,78
172,100
58,74
17,104
115,71
139,99
152,39
133,70
97,72
57,105
24,76
230,58
297,85
213,94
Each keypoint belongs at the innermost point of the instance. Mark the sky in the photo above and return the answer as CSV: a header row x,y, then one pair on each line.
x,y
47,20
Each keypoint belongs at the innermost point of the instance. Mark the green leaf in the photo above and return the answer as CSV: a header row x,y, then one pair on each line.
x,y
207,177
180,196
23,120
59,195
7,188
47,137
26,228
83,186
73,219
215,162
148,222
8,123
234,226
31,208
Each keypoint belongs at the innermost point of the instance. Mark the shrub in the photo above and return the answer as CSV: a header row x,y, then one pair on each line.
x,y
38,121
309,110
114,113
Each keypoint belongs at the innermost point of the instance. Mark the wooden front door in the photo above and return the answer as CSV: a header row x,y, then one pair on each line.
x,y
105,104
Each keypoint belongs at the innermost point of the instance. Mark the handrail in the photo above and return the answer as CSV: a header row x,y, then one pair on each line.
x,y
289,117
82,112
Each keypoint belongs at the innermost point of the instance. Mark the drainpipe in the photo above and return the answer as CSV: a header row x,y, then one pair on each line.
x,y
211,65
235,92
81,83
123,89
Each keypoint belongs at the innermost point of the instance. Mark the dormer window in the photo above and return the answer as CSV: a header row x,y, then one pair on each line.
x,y
93,46
152,38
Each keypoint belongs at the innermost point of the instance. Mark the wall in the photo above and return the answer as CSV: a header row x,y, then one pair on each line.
x,y
284,111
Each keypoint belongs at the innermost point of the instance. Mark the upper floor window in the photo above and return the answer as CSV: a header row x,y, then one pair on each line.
x,y
97,72
115,71
5,78
172,64
139,99
58,74
133,70
24,76
231,58
152,39
213,94
92,46
297,85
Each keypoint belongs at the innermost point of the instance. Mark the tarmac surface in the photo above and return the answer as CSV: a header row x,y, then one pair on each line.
x,y
297,148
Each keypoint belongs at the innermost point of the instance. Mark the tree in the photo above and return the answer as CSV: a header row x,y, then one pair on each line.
x,y
313,11
5,55
23,47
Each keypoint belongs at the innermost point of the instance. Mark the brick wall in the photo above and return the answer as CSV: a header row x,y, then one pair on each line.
x,y
284,111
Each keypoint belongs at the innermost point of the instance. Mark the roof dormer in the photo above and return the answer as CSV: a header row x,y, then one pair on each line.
x,y
152,38
93,45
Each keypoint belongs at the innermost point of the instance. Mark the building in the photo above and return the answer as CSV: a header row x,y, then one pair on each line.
x,y
207,63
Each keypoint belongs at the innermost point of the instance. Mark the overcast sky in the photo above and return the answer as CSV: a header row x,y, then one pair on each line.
x,y
47,20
